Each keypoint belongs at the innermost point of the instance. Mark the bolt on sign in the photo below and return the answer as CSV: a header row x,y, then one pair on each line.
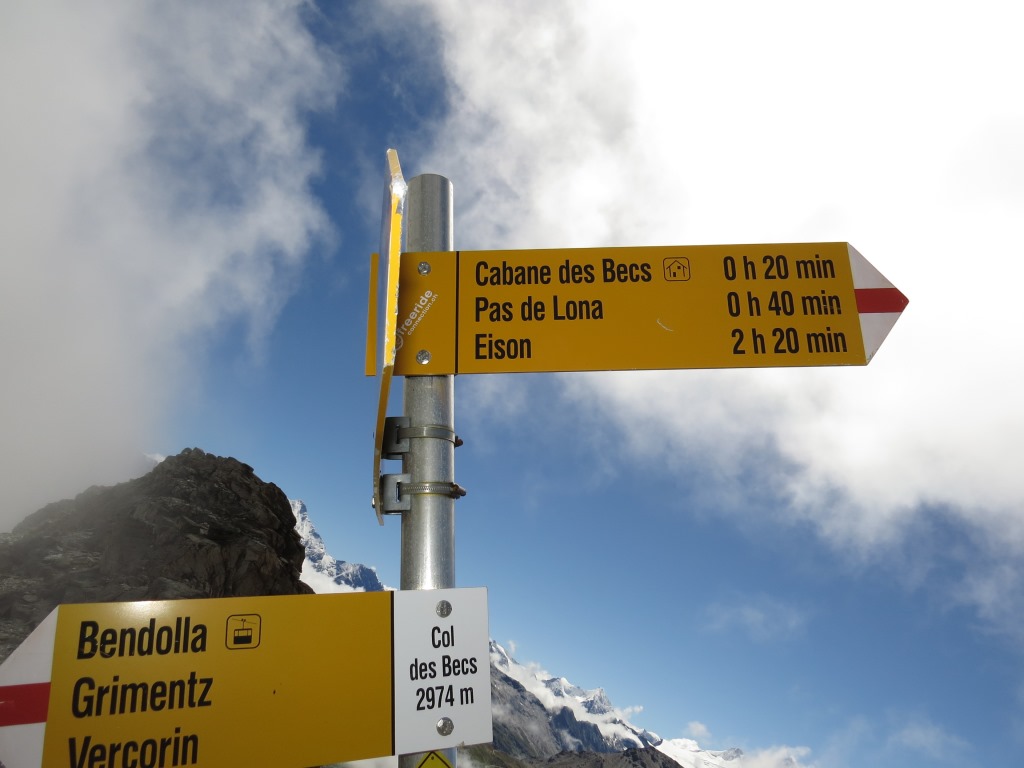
x,y
294,680
660,307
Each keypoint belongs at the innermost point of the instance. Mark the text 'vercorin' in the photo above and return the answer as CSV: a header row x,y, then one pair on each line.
x,y
419,310
103,696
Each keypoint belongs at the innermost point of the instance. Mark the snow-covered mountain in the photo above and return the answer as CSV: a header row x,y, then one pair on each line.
x,y
322,572
594,708
537,715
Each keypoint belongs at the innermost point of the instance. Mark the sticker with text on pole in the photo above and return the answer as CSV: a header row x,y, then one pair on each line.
x,y
643,308
294,680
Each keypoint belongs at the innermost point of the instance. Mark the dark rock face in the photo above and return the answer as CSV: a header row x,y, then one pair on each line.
x,y
577,735
196,526
525,729
521,724
648,757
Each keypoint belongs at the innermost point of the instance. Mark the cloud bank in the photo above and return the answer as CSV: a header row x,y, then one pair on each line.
x,y
640,124
154,175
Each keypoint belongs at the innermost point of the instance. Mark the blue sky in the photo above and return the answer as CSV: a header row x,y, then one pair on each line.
x,y
828,560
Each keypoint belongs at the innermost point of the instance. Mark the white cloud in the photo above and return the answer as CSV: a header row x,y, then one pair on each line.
x,y
848,746
924,738
154,177
321,583
643,124
897,739
760,617
697,731
687,752
777,757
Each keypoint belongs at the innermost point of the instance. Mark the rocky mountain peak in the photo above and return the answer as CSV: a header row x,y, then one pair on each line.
x,y
321,570
197,525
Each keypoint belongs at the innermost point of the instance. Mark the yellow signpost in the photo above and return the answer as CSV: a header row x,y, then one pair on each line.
x,y
221,682
660,307
295,680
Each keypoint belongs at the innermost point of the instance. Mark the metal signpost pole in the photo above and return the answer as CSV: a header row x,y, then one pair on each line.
x,y
428,528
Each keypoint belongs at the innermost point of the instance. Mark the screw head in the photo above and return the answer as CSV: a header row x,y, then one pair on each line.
x,y
444,609
445,726
423,268
423,357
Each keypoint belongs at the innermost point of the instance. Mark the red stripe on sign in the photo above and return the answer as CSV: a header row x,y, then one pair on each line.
x,y
24,704
872,300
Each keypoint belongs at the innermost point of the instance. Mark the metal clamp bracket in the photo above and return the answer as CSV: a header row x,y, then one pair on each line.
x,y
397,492
398,430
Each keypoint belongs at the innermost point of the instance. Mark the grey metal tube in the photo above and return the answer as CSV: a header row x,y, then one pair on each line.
x,y
428,528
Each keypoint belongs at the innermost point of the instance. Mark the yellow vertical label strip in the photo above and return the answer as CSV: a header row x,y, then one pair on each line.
x,y
371,318
427,314
391,250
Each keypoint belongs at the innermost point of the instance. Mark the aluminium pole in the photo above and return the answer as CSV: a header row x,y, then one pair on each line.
x,y
428,528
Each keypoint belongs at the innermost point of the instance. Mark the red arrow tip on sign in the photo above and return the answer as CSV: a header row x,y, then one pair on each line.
x,y
24,704
879,302
874,300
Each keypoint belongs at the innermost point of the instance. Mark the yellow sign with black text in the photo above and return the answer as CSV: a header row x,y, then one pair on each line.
x,y
222,682
659,307
292,680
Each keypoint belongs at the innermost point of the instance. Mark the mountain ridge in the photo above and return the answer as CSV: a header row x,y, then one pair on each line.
x,y
198,525
195,526
537,717
323,570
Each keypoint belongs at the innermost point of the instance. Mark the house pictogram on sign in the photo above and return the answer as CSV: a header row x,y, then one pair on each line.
x,y
677,268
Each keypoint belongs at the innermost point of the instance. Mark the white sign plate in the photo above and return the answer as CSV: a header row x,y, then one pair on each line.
x,y
442,669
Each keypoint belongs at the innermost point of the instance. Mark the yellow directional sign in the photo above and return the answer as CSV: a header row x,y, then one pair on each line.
x,y
587,309
294,680
388,263
221,682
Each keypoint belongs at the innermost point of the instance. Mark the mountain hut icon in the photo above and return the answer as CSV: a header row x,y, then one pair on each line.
x,y
677,268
